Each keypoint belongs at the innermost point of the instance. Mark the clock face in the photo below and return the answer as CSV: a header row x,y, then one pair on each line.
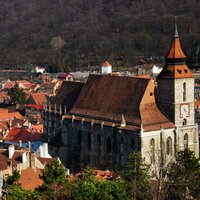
x,y
184,110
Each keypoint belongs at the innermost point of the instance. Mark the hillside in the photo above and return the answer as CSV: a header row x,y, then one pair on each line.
x,y
93,30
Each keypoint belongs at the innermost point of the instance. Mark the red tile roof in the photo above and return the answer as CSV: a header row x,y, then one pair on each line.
x,y
30,179
175,49
6,114
67,95
105,98
23,134
175,71
106,64
37,107
17,158
39,98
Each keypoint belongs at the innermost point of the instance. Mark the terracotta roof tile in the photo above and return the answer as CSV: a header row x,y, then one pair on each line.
x,y
67,94
107,97
134,97
175,49
106,64
16,159
6,114
45,161
175,71
23,134
39,98
30,179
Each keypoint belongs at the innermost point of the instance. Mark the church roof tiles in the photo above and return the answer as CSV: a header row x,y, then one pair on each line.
x,y
105,98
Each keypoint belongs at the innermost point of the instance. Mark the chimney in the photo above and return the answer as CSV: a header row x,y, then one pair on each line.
x,y
24,157
20,143
29,125
45,150
11,150
29,145
32,161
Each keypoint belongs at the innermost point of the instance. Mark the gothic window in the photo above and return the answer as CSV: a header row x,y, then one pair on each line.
x,y
98,148
152,146
109,147
79,138
132,143
122,145
98,140
169,146
184,122
185,141
89,142
184,91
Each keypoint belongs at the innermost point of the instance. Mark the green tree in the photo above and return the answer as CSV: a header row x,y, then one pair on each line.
x,y
13,189
137,176
17,95
184,177
86,186
57,43
56,185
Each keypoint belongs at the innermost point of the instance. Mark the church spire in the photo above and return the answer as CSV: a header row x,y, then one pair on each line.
x,y
175,66
176,51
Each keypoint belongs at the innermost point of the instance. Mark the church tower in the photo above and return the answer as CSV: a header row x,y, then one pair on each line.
x,y
176,86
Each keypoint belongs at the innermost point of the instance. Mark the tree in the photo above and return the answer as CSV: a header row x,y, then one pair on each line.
x,y
87,186
184,177
57,43
136,174
55,184
13,189
17,95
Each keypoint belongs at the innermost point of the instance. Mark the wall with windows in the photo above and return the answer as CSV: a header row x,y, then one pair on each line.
x,y
160,147
97,145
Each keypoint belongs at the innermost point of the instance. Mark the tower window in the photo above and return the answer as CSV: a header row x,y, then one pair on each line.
x,y
152,145
169,146
184,91
184,122
185,141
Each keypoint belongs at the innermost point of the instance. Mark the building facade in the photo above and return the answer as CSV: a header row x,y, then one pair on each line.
x,y
114,115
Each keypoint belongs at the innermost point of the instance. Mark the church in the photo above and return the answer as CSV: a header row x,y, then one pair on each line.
x,y
98,123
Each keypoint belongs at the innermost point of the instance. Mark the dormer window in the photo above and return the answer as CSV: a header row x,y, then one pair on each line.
x,y
151,93
186,71
179,71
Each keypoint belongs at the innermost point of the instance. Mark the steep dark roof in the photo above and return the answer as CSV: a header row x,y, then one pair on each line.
x,y
67,94
106,97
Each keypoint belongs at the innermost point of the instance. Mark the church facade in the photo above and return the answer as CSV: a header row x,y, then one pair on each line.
x,y
112,115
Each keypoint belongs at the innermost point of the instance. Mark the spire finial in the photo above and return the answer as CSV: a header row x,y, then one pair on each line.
x,y
175,28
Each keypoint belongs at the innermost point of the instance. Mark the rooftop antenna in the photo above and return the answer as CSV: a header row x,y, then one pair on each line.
x,y
175,27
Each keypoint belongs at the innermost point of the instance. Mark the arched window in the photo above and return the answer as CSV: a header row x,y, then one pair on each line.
x,y
99,149
169,146
122,145
99,140
184,122
132,143
152,145
89,142
79,138
185,141
184,91
109,147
